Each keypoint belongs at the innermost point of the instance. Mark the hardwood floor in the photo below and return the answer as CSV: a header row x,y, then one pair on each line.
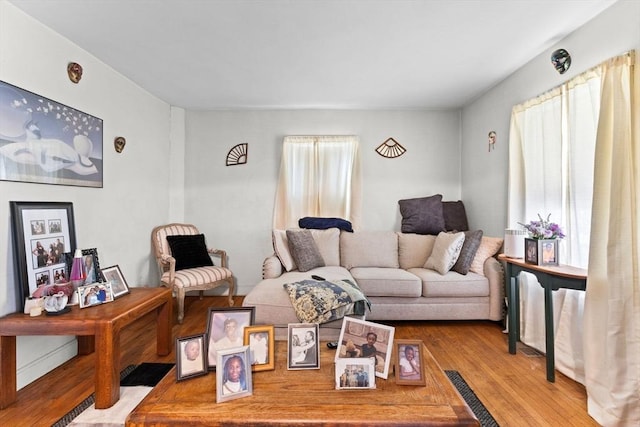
x,y
512,387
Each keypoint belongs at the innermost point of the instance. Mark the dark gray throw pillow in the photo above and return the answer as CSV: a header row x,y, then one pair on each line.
x,y
455,216
190,251
422,215
470,246
304,250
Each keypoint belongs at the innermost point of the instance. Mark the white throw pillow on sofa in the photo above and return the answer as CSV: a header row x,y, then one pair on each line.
x,y
445,252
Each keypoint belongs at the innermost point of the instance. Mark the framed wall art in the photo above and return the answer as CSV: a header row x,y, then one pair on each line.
x,y
261,342
42,233
225,329
191,356
409,364
118,283
47,142
361,338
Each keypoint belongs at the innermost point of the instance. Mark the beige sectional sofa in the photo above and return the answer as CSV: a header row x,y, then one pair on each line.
x,y
389,268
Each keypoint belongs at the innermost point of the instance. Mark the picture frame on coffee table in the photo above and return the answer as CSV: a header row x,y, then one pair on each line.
x,y
355,373
361,338
234,379
261,342
225,329
303,349
409,362
191,356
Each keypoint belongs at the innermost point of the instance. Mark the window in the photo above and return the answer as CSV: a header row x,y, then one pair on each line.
x,y
319,176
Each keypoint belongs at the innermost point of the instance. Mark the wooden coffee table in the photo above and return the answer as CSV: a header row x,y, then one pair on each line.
x,y
97,328
308,397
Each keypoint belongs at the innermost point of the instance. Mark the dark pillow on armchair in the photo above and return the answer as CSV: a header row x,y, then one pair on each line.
x,y
455,216
422,215
190,251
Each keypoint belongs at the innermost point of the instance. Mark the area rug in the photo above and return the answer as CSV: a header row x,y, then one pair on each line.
x,y
135,383
479,410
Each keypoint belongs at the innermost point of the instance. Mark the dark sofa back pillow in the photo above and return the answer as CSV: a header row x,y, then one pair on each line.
x,y
423,215
455,216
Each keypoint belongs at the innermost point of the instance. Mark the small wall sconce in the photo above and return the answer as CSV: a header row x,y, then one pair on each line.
x,y
74,70
119,143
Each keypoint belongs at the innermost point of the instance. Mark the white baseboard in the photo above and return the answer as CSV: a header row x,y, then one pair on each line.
x,y
43,363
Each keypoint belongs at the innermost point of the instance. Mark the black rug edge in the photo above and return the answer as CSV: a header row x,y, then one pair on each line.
x,y
477,407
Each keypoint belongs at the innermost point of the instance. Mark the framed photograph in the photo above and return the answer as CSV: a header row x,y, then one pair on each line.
x,y
541,251
531,251
303,351
409,364
261,342
355,373
94,294
225,329
42,233
191,360
233,379
118,283
360,338
48,142
91,266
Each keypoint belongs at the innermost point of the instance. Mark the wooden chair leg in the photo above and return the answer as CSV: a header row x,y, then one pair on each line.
x,y
180,297
231,291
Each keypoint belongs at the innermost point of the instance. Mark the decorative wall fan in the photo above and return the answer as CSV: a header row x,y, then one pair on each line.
x,y
390,149
238,155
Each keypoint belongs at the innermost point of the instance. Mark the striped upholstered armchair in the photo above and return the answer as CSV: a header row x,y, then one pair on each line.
x,y
186,263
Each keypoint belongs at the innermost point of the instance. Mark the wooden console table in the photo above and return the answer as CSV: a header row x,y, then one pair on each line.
x,y
306,397
97,329
551,278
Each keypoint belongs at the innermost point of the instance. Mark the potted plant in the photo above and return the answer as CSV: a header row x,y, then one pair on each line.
x,y
541,247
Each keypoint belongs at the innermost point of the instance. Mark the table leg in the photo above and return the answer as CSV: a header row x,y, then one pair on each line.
x,y
514,314
163,332
86,344
107,366
549,335
8,392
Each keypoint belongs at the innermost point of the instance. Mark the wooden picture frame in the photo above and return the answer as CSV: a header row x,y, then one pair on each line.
x,y
261,342
225,329
357,373
37,226
409,362
361,338
229,387
191,356
303,349
119,285
94,294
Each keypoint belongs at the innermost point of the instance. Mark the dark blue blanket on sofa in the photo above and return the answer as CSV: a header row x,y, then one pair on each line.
x,y
324,223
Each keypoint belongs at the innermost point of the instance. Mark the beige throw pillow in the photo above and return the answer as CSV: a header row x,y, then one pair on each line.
x,y
445,252
489,246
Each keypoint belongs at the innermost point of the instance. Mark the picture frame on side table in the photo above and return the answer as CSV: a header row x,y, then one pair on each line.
x,y
303,349
361,338
38,229
234,378
409,362
91,266
94,294
225,329
119,285
355,373
191,356
261,342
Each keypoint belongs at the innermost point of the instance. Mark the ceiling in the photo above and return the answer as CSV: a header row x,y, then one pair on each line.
x,y
348,54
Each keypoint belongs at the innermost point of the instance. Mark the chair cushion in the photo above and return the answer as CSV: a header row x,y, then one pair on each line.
x,y
423,215
304,250
470,246
198,276
189,251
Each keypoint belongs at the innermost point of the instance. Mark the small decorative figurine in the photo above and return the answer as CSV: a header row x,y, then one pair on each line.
x,y
119,143
75,71
492,140
561,60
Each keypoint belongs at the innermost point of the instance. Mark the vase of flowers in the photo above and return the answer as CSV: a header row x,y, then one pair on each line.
x,y
541,247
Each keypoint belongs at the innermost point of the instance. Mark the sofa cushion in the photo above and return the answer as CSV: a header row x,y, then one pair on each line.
x,y
414,249
470,246
489,246
455,216
451,284
375,281
190,251
328,242
422,215
369,249
304,250
445,252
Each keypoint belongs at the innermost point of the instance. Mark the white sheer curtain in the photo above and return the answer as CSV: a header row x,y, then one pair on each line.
x,y
319,176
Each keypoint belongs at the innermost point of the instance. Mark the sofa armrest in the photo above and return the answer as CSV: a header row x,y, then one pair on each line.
x,y
271,267
494,272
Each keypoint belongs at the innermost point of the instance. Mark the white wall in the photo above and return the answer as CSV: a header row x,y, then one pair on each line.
x,y
484,174
116,219
233,205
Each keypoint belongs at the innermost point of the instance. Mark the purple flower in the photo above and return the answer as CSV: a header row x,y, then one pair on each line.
x,y
543,229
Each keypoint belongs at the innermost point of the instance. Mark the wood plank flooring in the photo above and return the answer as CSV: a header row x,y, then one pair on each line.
x,y
512,387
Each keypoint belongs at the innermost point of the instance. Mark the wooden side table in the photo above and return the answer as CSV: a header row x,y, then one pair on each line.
x,y
551,278
97,329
